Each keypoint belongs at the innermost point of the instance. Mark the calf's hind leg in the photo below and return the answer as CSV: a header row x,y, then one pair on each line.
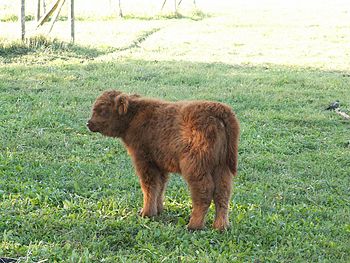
x,y
201,188
222,193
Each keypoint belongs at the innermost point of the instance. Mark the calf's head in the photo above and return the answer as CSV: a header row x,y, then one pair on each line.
x,y
109,114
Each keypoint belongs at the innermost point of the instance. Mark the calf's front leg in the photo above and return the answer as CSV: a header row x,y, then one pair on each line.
x,y
152,184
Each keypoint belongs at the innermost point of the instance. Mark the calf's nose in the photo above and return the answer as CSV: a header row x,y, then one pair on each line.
x,y
90,125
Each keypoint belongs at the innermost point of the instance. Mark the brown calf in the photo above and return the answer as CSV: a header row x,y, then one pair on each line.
x,y
198,139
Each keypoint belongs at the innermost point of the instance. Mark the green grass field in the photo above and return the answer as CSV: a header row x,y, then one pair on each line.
x,y
68,195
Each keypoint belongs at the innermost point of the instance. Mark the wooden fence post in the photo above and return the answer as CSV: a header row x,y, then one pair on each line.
x,y
22,19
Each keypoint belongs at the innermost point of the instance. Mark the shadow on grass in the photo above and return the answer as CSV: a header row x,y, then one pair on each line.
x,y
11,50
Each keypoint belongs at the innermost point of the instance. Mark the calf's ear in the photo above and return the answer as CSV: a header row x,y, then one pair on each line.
x,y
122,102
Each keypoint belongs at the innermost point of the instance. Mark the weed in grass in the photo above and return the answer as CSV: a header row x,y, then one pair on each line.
x,y
14,18
9,18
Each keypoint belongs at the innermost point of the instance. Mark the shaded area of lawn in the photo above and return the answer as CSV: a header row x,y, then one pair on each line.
x,y
49,49
67,194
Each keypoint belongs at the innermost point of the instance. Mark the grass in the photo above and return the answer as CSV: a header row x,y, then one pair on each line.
x,y
70,195
195,14
14,18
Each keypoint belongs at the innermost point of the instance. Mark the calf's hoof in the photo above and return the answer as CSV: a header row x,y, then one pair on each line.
x,y
221,225
194,225
145,213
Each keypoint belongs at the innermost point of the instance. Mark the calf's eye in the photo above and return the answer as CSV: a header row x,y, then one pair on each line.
x,y
104,113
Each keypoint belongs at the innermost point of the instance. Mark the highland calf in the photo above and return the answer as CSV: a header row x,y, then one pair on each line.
x,y
198,139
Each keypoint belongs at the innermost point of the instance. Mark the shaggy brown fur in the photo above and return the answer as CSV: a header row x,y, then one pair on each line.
x,y
198,139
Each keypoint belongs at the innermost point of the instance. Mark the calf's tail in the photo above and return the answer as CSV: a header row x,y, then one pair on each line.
x,y
232,133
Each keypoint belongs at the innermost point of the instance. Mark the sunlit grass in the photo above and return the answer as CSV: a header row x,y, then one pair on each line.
x,y
313,34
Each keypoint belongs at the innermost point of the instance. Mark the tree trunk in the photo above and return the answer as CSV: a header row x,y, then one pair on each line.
x,y
120,9
71,20
38,6
22,19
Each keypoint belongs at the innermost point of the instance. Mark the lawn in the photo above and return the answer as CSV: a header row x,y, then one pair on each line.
x,y
68,195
